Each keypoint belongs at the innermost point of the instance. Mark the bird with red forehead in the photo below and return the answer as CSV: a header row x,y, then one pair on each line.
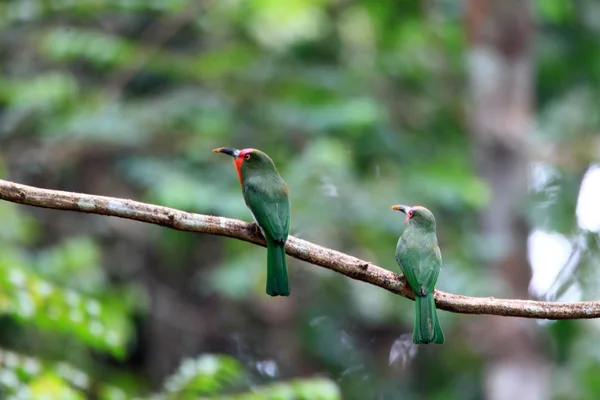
x,y
420,260
267,196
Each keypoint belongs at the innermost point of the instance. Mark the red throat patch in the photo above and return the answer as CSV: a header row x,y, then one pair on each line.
x,y
240,160
238,166
407,216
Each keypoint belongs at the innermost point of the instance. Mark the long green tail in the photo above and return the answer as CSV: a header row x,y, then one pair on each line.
x,y
427,326
277,277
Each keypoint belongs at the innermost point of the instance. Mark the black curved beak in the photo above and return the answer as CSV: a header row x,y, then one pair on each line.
x,y
402,208
228,150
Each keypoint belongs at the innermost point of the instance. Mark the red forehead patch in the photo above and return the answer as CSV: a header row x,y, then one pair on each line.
x,y
240,160
244,152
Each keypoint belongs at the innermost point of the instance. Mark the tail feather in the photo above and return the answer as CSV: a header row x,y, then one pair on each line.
x,y
427,326
277,276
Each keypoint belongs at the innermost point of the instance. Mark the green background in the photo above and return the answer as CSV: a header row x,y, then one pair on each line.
x,y
362,104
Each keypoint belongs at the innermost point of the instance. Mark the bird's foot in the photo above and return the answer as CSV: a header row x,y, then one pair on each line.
x,y
255,228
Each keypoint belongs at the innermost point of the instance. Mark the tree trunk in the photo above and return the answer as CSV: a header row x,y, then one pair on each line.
x,y
500,34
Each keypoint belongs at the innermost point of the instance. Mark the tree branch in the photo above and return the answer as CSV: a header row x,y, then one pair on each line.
x,y
301,249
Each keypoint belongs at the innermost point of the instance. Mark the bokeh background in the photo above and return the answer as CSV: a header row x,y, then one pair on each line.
x,y
484,111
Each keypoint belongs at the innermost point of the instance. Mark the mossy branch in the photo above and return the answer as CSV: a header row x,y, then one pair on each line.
x,y
303,250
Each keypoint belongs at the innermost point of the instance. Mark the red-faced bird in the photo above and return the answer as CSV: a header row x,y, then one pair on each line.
x,y
266,195
420,260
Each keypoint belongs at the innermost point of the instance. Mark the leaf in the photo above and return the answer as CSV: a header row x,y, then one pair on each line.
x,y
101,324
206,374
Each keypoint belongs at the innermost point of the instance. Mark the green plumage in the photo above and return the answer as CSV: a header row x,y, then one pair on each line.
x,y
277,279
267,196
420,260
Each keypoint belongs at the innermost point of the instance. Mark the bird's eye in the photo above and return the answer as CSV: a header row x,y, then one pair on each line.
x,y
247,157
410,213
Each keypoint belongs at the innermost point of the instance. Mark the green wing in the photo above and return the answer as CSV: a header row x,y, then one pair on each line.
x,y
271,211
420,265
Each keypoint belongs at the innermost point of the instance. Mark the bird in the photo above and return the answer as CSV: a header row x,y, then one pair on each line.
x,y
267,197
420,260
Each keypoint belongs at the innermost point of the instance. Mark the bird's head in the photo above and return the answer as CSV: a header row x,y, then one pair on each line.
x,y
247,160
417,216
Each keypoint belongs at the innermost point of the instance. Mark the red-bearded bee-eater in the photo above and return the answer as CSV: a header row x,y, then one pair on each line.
x,y
267,197
420,260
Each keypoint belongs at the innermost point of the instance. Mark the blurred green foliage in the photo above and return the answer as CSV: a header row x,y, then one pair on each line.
x,y
360,103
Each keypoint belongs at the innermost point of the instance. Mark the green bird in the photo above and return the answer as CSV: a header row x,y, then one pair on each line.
x,y
420,260
267,197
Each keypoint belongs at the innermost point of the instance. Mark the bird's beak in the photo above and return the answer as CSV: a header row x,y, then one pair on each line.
x,y
402,208
228,150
